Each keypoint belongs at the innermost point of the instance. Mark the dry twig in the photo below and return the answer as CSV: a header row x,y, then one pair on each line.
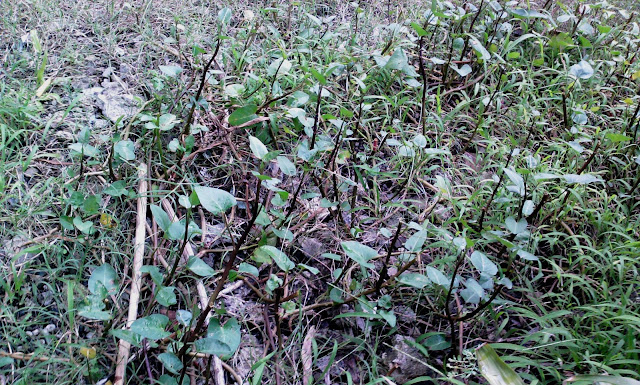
x,y
136,275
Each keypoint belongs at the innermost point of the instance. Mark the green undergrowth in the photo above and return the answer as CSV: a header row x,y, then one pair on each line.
x,y
338,193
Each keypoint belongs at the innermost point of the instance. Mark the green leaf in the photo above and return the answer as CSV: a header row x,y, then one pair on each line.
x,y
287,166
176,231
398,60
416,280
166,379
515,227
221,340
560,41
116,189
151,327
462,71
419,30
614,380
127,335
285,234
278,257
166,296
103,276
91,205
437,277
389,316
224,15
617,137
125,149
257,147
66,222
494,370
154,272
483,264
200,268
526,255
528,13
582,70
234,90
161,217
479,48
92,308
473,292
283,66
416,241
437,342
185,201
319,76
243,115
171,362
581,179
359,252
214,200
516,179
171,71
165,122
84,149
248,269
184,317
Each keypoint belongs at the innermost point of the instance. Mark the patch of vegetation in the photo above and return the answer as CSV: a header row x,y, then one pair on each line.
x,y
319,192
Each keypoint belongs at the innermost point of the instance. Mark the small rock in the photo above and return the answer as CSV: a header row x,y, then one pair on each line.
x,y
100,123
114,104
31,172
125,69
45,298
107,72
12,247
400,357
48,329
311,247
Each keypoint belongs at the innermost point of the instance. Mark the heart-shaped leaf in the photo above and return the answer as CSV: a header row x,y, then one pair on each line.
x,y
214,200
243,115
221,340
125,149
515,227
437,277
483,264
161,217
359,252
287,166
103,277
473,292
200,268
416,241
166,296
416,280
171,362
257,147
582,70
171,71
278,257
151,327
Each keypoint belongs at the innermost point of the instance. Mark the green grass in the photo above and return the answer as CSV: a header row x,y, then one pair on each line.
x,y
337,221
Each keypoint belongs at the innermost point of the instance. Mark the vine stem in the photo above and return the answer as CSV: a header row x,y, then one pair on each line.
x,y
191,334
203,81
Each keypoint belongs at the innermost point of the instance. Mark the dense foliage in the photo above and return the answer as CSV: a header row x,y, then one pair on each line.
x,y
305,192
